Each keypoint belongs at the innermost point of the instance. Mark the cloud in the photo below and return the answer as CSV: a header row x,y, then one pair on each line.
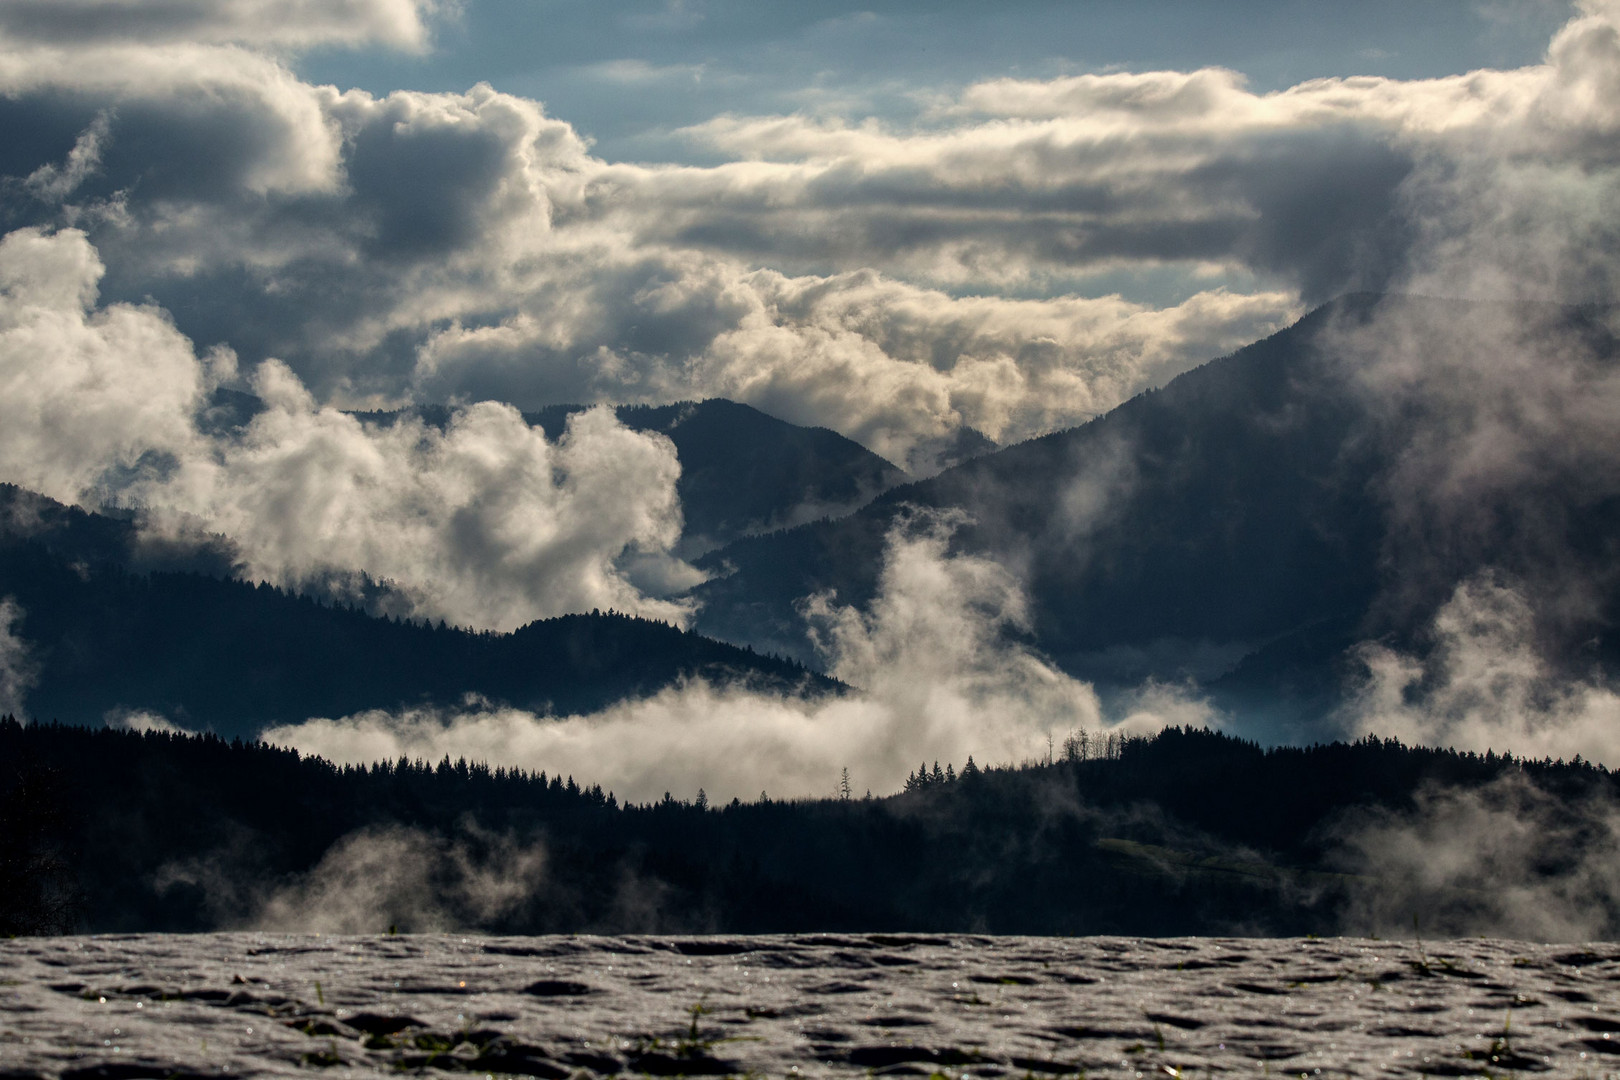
x,y
184,133
18,669
470,246
294,23
1504,860
1483,684
391,877
1498,597
457,250
640,73
1073,177
1329,185
85,391
939,672
142,720
485,522
1154,706
891,365
1523,206
942,625
51,183
444,245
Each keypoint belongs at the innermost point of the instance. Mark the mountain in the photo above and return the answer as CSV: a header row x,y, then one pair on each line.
x,y
1233,529
745,472
742,471
105,631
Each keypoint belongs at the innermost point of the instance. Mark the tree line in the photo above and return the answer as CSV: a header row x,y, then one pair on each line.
x,y
1189,831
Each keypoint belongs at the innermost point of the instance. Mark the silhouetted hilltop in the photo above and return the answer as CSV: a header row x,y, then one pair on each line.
x,y
98,541
1231,528
1187,832
235,657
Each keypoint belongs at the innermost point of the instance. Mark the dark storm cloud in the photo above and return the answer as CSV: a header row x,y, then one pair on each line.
x,y
1326,210
419,191
1318,208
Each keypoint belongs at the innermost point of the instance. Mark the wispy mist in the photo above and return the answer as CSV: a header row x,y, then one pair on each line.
x,y
394,877
1507,860
373,880
1484,685
1498,419
143,720
938,672
18,666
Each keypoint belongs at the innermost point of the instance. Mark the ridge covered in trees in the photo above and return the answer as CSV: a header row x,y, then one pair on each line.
x,y
1187,832
111,625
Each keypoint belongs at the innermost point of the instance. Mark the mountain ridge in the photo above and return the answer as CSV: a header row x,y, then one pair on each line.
x,y
1229,530
106,635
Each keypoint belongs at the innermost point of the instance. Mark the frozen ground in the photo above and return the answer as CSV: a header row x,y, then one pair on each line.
x,y
184,1007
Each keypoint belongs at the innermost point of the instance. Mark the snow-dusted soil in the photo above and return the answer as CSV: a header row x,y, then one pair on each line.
x,y
164,1006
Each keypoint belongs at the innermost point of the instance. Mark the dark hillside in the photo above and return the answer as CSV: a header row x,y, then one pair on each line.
x,y
1188,832
234,657
1232,518
98,541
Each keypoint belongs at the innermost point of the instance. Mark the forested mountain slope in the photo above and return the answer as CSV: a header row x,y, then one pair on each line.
x,y
102,633
1233,528
1187,832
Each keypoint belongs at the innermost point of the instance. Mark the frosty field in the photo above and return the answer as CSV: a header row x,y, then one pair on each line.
x,y
169,1006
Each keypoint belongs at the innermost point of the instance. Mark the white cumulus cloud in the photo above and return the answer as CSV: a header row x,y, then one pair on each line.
x,y
485,523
